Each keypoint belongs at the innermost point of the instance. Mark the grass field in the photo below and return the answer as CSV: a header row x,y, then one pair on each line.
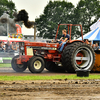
x,y
5,65
12,78
39,77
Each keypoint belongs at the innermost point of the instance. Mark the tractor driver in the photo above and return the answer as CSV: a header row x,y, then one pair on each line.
x,y
63,40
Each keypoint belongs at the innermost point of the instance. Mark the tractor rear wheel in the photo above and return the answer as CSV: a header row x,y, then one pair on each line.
x,y
78,56
36,64
18,67
52,67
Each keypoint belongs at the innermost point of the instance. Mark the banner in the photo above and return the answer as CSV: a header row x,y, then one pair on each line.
x,y
18,33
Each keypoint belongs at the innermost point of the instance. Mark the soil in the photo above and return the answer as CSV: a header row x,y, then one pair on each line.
x,y
49,89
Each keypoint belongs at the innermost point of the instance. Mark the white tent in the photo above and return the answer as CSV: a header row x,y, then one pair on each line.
x,y
94,34
95,25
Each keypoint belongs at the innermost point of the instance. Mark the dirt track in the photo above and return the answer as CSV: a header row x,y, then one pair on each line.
x,y
48,90
10,71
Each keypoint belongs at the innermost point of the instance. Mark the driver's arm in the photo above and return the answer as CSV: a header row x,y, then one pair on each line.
x,y
65,39
61,38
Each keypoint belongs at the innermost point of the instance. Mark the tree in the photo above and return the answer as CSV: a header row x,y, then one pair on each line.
x,y
54,13
7,6
86,13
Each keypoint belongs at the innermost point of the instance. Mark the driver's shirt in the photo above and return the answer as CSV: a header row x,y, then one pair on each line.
x,y
67,36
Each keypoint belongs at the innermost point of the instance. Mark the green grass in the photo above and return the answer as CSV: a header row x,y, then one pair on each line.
x,y
12,78
5,65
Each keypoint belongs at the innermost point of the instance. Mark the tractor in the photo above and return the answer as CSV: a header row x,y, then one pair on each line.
x,y
36,56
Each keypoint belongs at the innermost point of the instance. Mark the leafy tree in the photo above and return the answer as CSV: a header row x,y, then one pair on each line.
x,y
7,6
54,13
86,13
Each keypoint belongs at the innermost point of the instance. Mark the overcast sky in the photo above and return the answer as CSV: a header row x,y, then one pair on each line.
x,y
34,9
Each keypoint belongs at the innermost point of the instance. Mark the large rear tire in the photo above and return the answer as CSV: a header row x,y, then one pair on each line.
x,y
78,56
36,64
18,67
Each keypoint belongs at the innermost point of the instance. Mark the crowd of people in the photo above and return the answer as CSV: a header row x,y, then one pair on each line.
x,y
11,47
8,47
94,45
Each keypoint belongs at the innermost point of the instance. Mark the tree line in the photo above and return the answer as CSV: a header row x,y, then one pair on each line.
x,y
55,12
85,13
7,6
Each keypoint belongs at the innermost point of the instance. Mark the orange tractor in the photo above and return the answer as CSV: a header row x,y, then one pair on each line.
x,y
39,55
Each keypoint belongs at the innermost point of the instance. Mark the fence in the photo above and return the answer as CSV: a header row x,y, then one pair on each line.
x,y
6,57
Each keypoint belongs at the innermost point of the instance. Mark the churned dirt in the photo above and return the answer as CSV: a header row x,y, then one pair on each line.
x,y
48,89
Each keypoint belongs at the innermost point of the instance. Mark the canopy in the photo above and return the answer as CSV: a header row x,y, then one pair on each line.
x,y
92,35
95,25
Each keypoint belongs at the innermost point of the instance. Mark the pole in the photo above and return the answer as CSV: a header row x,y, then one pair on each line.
x,y
7,25
34,32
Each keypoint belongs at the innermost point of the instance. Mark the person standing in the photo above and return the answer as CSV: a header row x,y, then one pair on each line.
x,y
96,47
8,46
86,41
14,46
1,47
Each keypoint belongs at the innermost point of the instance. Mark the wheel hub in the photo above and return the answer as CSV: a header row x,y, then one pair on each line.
x,y
82,58
79,61
20,65
37,64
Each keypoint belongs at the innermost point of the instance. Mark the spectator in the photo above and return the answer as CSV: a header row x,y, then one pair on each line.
x,y
86,41
90,43
14,46
96,47
93,46
17,46
8,46
1,48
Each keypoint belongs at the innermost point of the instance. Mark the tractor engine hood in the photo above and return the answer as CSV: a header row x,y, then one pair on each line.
x,y
41,45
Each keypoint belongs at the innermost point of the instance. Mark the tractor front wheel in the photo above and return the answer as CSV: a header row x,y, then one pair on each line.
x,y
36,64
